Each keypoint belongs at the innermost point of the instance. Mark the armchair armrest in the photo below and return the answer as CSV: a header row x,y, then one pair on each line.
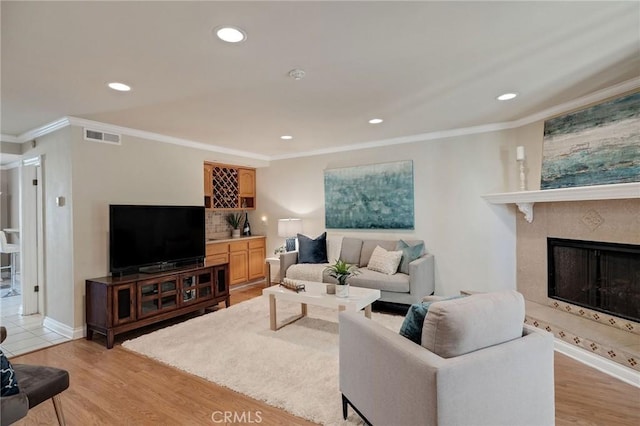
x,y
387,377
422,277
287,259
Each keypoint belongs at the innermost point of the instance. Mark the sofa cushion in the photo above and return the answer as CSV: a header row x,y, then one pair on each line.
x,y
384,261
396,283
350,251
334,244
312,250
368,246
409,254
456,327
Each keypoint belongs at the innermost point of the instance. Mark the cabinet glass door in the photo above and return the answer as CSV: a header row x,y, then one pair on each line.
x,y
122,304
189,288
221,287
156,296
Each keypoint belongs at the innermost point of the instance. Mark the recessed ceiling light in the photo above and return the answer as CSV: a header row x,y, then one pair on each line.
x,y
286,137
120,87
376,121
231,34
507,96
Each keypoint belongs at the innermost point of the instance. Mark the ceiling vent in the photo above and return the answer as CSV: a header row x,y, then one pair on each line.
x,y
104,137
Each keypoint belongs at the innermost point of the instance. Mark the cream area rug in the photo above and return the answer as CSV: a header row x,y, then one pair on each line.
x,y
294,368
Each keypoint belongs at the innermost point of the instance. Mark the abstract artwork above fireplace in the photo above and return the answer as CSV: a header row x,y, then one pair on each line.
x,y
598,145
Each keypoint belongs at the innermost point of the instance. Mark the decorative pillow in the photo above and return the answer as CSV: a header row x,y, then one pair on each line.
x,y
414,320
9,381
312,250
409,254
384,261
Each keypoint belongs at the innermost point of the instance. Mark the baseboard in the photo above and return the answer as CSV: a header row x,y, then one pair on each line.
x,y
611,368
63,329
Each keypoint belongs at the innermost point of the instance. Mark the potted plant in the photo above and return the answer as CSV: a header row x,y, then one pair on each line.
x,y
342,270
234,220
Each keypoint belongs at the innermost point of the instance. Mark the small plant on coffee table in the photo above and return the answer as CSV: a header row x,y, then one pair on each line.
x,y
342,270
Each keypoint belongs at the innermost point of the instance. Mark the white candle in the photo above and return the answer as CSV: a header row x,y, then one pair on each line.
x,y
520,153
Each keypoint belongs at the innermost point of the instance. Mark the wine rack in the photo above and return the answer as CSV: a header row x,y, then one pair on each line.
x,y
225,188
228,187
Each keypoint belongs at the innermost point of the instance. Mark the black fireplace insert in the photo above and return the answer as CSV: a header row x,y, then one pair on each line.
x,y
597,275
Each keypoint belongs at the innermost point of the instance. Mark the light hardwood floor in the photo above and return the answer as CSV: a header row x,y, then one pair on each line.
x,y
118,387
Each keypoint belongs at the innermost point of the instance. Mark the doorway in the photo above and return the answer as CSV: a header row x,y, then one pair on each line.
x,y
23,215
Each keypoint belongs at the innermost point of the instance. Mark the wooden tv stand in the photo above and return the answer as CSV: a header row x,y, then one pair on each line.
x,y
116,304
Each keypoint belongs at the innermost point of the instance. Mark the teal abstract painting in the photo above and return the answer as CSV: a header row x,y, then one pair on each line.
x,y
598,145
377,196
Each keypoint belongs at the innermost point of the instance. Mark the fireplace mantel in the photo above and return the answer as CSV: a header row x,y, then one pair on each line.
x,y
526,199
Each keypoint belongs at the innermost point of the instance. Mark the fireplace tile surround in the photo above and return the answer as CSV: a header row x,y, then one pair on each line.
x,y
616,221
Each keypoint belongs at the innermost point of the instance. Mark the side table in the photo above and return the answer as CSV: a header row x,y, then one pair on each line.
x,y
273,271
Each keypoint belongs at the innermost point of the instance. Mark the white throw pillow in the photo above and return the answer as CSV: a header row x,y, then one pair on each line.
x,y
385,261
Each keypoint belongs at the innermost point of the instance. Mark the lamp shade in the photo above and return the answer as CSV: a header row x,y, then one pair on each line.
x,y
289,227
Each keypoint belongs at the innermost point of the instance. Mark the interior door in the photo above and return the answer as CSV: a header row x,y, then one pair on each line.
x,y
31,232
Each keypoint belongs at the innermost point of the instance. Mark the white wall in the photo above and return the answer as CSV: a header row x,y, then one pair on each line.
x,y
139,171
473,241
55,149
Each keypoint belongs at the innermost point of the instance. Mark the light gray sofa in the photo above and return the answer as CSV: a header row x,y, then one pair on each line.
x,y
397,288
477,364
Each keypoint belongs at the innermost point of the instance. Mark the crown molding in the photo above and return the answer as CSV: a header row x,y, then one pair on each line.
x,y
463,131
9,138
600,95
163,138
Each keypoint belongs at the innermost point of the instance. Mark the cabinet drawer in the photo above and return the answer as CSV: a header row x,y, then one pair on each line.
x,y
238,246
217,259
219,248
257,243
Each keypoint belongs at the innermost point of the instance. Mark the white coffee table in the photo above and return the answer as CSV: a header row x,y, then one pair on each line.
x,y
316,294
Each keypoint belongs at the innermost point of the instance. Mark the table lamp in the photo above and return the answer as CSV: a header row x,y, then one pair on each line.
x,y
289,229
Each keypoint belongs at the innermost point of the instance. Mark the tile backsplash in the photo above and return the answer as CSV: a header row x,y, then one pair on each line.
x,y
216,225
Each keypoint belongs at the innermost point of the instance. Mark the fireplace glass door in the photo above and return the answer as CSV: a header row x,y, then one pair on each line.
x,y
601,276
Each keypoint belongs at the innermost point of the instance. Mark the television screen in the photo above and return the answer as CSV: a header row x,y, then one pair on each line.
x,y
141,236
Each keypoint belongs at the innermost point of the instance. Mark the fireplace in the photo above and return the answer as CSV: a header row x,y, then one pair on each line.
x,y
596,275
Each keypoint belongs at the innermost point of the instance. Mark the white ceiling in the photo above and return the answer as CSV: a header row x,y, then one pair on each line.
x,y
421,66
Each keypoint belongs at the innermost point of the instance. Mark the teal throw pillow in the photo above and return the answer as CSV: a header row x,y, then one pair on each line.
x,y
9,381
409,254
414,320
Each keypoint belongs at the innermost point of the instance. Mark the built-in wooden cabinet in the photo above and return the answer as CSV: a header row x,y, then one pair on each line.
x,y
238,262
115,305
217,254
229,187
247,183
256,261
208,184
244,256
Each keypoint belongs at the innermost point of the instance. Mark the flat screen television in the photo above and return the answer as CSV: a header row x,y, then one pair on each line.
x,y
154,238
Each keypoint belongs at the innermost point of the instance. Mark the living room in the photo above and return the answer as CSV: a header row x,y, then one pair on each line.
x,y
476,244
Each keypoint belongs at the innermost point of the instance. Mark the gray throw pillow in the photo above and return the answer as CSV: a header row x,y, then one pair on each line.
x,y
312,250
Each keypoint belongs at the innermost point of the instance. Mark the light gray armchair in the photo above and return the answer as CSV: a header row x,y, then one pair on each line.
x,y
478,365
